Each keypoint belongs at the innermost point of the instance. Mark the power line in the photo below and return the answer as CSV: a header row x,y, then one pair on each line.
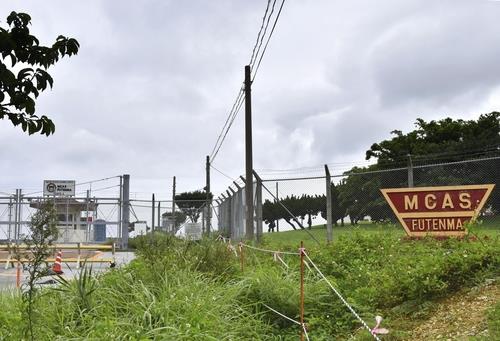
x,y
227,176
238,107
260,31
268,39
264,34
255,54
217,146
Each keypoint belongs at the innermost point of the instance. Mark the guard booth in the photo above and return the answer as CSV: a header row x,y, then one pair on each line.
x,y
74,217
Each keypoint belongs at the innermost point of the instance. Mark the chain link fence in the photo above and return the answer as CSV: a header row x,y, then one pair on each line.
x,y
299,201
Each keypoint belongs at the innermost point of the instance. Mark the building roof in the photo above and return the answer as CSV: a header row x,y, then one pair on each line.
x,y
66,202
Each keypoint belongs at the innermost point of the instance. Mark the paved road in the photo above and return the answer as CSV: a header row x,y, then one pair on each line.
x,y
8,277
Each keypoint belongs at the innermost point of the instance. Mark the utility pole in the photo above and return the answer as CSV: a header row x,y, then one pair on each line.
x,y
209,200
329,230
248,155
410,171
153,213
173,207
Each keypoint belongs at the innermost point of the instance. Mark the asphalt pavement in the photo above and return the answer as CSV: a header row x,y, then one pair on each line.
x,y
8,276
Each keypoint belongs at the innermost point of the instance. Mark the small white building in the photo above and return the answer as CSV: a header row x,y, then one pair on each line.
x,y
74,219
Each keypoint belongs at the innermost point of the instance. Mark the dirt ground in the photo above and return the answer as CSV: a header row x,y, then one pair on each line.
x,y
462,316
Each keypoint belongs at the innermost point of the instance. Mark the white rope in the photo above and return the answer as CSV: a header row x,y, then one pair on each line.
x,y
303,325
271,251
277,256
305,331
342,299
280,314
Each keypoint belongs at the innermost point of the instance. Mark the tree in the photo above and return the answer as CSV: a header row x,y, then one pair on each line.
x,y
19,92
447,138
442,141
191,203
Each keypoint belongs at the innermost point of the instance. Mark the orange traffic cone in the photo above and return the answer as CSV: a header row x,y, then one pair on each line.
x,y
57,268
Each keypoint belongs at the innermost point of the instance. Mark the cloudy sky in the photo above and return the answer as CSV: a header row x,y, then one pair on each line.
x,y
154,81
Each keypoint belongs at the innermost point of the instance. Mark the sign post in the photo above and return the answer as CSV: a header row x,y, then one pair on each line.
x,y
437,211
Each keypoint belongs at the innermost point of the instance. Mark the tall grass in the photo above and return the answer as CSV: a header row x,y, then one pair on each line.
x,y
196,291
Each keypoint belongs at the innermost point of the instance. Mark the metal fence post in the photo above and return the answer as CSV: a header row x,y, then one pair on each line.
x,y
410,171
329,228
258,206
125,211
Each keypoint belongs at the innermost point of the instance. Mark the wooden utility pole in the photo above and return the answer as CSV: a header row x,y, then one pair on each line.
x,y
329,229
209,200
248,155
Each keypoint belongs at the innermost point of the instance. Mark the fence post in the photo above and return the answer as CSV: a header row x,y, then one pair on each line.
x,y
9,238
209,200
276,201
410,171
301,290
258,206
120,208
173,207
329,229
158,215
125,211
242,259
153,212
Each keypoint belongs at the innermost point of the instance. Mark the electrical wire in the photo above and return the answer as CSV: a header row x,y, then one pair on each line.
x,y
255,54
235,113
264,34
240,93
222,173
260,31
268,39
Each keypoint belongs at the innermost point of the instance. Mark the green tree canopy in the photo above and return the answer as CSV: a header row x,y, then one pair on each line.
x,y
18,92
448,139
191,203
442,142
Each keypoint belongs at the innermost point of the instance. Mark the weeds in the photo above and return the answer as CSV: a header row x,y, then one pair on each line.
x,y
43,232
195,290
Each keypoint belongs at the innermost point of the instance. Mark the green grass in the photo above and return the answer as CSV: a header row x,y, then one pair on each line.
x,y
488,227
196,291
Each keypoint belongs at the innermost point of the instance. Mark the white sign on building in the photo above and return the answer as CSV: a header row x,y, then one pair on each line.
x,y
59,188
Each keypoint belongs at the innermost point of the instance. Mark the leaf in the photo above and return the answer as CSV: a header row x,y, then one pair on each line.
x,y
32,127
24,73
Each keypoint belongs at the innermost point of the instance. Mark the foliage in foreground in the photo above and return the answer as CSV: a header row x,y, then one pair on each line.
x,y
196,291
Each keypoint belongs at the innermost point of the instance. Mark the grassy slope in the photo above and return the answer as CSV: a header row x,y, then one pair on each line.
x,y
489,228
470,311
196,291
